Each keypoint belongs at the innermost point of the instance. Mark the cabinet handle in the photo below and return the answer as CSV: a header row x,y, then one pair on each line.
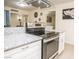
x,y
7,57
25,47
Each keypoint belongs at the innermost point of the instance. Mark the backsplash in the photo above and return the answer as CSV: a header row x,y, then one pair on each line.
x,y
13,30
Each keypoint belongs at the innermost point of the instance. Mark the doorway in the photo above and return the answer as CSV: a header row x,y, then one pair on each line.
x,y
51,19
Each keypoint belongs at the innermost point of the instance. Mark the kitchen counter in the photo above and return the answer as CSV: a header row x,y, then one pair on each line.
x,y
14,39
17,40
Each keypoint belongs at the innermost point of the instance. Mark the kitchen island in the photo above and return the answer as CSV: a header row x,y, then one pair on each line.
x,y
17,40
30,45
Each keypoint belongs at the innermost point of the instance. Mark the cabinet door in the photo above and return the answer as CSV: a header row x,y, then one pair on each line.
x,y
61,42
34,53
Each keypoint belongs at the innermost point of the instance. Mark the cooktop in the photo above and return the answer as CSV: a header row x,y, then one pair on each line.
x,y
41,32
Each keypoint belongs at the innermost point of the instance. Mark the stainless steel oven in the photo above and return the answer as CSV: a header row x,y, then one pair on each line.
x,y
50,47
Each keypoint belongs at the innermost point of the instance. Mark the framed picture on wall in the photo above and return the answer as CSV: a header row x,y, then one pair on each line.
x,y
68,13
35,14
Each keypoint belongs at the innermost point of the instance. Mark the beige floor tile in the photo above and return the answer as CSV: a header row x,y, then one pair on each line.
x,y
68,52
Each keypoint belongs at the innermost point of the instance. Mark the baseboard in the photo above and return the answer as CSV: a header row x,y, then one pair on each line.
x,y
69,43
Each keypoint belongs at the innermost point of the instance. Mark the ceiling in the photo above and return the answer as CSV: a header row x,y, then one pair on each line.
x,y
12,3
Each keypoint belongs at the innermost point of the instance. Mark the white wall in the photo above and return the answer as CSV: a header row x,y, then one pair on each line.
x,y
45,12
65,25
25,12
13,16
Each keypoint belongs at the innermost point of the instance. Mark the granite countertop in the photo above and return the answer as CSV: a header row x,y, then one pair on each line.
x,y
17,40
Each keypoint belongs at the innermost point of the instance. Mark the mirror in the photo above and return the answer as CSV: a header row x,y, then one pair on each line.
x,y
35,14
14,19
51,19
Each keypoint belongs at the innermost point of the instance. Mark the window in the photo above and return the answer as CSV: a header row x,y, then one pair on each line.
x,y
6,18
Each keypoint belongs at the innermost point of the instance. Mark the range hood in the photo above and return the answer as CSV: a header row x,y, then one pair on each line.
x,y
40,3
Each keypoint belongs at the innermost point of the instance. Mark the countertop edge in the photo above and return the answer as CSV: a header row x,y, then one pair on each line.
x,y
21,45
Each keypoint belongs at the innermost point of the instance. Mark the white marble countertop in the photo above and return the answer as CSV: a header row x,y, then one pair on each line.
x,y
15,40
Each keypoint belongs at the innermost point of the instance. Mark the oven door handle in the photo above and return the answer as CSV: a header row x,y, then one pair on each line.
x,y
50,39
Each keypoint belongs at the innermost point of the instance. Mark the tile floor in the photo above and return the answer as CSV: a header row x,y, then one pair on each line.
x,y
68,52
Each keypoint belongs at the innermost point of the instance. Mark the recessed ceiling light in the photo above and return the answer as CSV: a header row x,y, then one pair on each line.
x,y
22,4
39,1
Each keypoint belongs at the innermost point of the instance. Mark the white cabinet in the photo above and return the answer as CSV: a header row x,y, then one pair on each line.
x,y
30,51
61,41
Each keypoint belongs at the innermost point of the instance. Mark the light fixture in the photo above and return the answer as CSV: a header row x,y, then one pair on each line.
x,y
39,1
19,18
35,3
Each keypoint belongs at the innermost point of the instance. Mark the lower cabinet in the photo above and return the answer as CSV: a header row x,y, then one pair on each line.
x,y
30,51
61,42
